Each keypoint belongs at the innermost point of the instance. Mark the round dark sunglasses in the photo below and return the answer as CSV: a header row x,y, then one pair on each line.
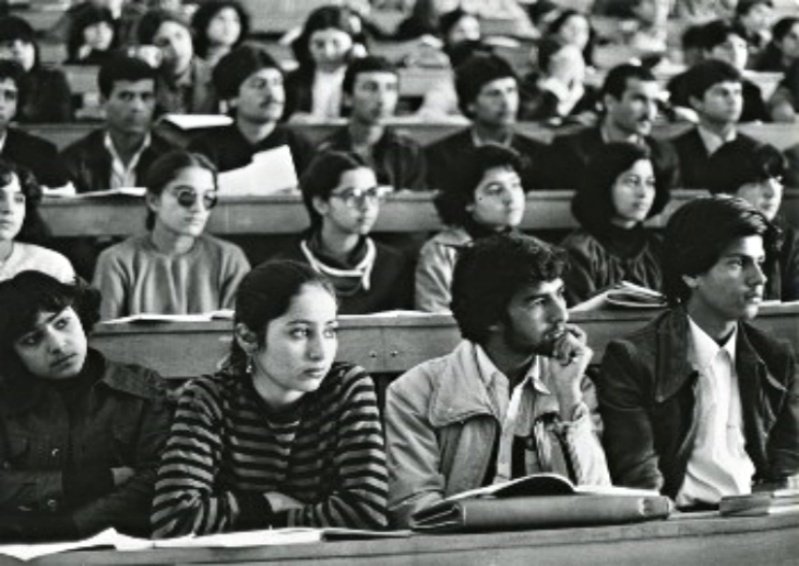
x,y
187,197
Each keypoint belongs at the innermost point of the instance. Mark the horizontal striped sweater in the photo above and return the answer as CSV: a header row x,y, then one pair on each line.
x,y
226,449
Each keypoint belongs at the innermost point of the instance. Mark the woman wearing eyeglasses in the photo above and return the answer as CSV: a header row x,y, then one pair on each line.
x,y
173,268
343,199
619,191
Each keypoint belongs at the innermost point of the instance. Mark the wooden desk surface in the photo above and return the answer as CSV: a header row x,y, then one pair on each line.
x,y
769,541
286,214
381,344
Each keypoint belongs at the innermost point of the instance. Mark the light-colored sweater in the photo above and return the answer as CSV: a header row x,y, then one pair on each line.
x,y
26,257
134,277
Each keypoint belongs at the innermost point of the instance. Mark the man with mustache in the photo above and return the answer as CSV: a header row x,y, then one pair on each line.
x,y
700,404
510,400
630,97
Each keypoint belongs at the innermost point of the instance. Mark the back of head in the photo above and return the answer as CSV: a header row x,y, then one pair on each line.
x,y
476,72
697,234
121,67
616,80
151,22
488,274
734,165
368,64
323,175
235,67
705,74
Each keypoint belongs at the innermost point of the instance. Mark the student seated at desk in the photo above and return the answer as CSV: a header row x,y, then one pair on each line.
x,y
92,37
488,93
757,177
752,21
21,225
183,84
219,26
700,404
283,435
486,196
619,192
80,435
251,82
118,154
342,197
44,93
783,49
19,147
510,400
173,268
630,96
784,102
371,92
714,91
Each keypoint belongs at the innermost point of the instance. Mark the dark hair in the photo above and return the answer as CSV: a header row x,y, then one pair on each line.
x,y
705,74
33,229
26,295
152,20
554,28
489,272
692,37
715,33
12,70
88,15
324,17
698,233
458,191
734,165
164,170
782,28
547,49
745,6
122,67
265,294
474,73
368,64
592,204
206,12
13,27
449,20
616,80
323,175
235,67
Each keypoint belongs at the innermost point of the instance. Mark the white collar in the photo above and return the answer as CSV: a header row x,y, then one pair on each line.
x,y
713,141
704,349
489,371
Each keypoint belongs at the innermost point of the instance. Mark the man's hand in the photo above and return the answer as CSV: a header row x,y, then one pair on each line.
x,y
570,358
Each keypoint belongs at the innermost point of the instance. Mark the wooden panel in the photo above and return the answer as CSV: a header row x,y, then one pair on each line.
x,y
380,343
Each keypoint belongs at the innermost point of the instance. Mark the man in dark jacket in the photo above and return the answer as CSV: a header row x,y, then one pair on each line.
x,y
118,154
630,97
700,404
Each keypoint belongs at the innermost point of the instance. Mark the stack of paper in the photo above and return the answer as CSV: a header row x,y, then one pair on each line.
x,y
270,171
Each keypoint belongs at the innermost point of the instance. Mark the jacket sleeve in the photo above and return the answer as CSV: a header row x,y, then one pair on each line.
x,y
627,436
783,443
109,278
415,480
433,279
580,278
127,506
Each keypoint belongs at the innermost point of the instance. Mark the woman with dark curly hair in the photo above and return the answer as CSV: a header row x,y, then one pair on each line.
x,y
80,435
219,26
619,191
92,37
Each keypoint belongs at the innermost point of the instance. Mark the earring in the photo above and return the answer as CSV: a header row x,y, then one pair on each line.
x,y
249,367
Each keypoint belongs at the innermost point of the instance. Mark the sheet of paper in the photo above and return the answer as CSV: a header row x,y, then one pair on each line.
x,y
244,539
270,171
222,314
137,192
108,537
195,121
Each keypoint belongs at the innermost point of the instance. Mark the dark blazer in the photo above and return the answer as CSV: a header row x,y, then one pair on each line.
x,y
89,163
694,158
568,156
445,157
646,398
38,155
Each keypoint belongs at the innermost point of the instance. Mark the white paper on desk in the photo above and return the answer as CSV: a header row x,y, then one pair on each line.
x,y
244,539
108,537
196,121
137,192
145,317
271,171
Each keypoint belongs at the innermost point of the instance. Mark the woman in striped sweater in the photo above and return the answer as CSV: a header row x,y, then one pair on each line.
x,y
283,436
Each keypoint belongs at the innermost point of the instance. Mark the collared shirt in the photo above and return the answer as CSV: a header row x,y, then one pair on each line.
x,y
326,94
123,175
718,464
478,141
713,141
636,139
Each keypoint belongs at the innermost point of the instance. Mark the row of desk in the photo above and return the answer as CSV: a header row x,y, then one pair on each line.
x,y
383,343
286,214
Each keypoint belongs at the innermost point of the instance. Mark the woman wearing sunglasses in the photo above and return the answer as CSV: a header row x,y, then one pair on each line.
x,y
173,268
343,200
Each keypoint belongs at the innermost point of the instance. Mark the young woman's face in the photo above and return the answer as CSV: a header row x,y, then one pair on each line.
x,y
633,193
12,210
22,52
575,31
183,207
465,29
299,346
353,205
766,196
498,199
174,41
55,348
789,45
224,28
329,48
99,36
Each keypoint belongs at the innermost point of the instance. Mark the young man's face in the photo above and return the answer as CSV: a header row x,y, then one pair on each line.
x,y
498,199
174,41
130,105
497,103
374,96
261,98
732,50
23,52
758,18
353,205
55,348
635,111
732,288
722,103
766,196
536,317
8,102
